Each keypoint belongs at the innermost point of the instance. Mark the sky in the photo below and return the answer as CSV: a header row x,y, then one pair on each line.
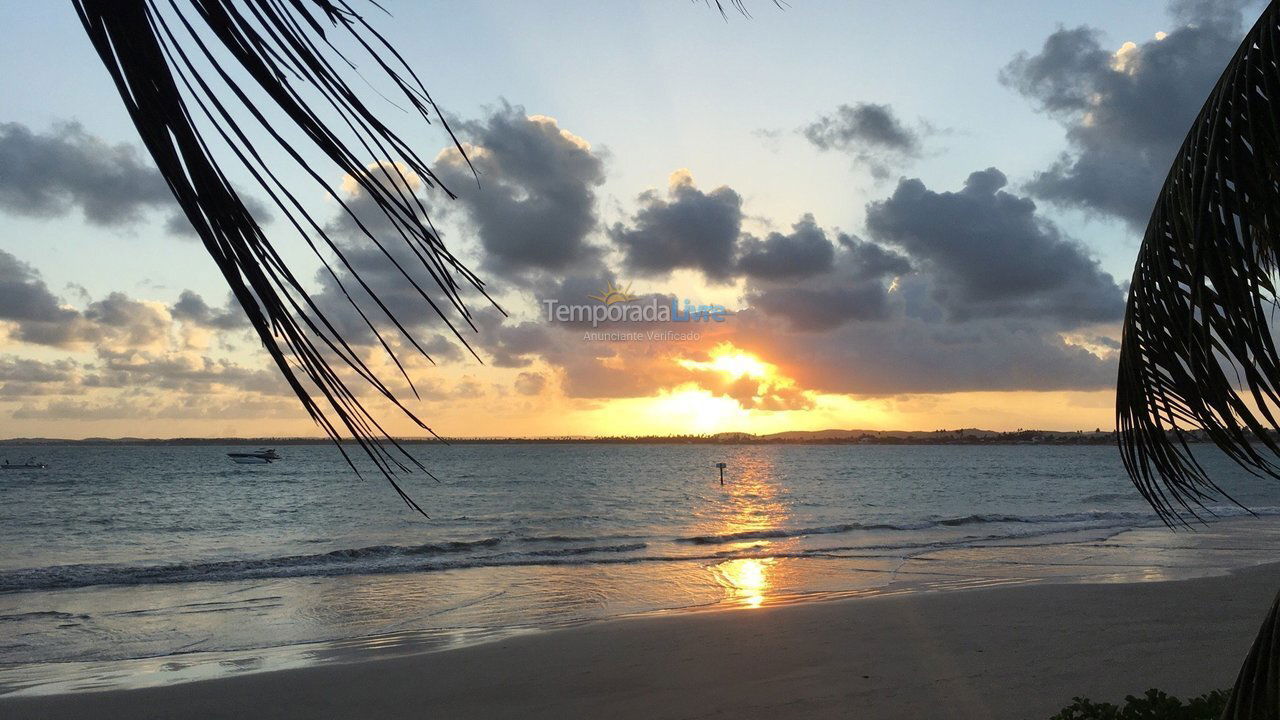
x,y
916,215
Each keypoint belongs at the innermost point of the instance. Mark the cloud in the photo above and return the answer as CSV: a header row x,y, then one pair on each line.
x,y
204,408
528,383
688,228
1126,112
513,345
856,287
869,133
36,314
804,252
28,377
47,174
989,254
535,204
975,276
192,308
533,214
182,372
915,353
121,321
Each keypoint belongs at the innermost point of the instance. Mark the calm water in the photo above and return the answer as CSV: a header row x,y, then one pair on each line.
x,y
174,553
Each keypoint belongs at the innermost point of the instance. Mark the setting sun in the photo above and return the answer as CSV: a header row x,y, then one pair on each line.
x,y
732,363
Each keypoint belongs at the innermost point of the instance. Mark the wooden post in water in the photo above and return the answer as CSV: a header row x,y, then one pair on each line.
x,y
722,466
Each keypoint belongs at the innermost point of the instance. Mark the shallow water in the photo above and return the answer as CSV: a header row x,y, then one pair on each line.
x,y
144,564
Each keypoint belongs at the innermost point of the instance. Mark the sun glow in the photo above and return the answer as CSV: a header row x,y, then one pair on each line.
x,y
732,363
695,410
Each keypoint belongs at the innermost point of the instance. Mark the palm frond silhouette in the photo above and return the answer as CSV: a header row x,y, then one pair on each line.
x,y
193,75
188,72
1198,351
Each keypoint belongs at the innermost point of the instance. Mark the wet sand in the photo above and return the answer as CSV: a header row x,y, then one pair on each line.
x,y
1012,652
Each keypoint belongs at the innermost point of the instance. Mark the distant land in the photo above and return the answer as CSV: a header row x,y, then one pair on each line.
x,y
961,436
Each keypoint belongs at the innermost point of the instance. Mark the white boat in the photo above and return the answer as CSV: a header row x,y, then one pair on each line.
x,y
261,457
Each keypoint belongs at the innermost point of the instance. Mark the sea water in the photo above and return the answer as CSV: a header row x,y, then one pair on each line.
x,y
125,565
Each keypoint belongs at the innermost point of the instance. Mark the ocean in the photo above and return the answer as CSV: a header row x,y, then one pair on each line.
x,y
130,565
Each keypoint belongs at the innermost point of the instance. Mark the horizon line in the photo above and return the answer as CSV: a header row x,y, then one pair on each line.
x,y
464,438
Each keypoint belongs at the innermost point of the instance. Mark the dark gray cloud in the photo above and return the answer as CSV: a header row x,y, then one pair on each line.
x,y
870,133
824,307
38,315
1125,112
511,344
988,254
855,288
27,377
128,321
868,261
918,355
48,174
24,296
688,229
532,213
805,251
535,203
193,309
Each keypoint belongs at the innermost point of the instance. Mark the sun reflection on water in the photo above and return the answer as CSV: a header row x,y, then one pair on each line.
x,y
746,579
749,502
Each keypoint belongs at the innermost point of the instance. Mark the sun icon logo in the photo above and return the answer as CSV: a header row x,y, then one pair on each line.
x,y
614,294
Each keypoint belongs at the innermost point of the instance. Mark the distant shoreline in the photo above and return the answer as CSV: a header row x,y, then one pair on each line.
x,y
820,437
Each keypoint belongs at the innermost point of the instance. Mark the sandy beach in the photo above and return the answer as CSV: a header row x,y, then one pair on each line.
x,y
1019,652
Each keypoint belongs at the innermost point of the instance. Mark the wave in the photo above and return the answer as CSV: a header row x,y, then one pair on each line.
x,y
977,519
1109,518
558,552
574,538
389,550
1108,497
567,550
775,533
377,559
1086,516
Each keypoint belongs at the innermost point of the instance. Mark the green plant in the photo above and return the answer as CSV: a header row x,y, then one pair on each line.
x,y
1153,705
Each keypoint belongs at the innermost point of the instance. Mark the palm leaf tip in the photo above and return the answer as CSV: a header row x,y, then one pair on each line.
x,y
1198,351
184,69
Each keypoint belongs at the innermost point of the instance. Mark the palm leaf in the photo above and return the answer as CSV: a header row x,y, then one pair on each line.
x,y
187,71
1198,351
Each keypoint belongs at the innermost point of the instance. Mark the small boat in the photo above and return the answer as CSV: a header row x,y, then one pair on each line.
x,y
30,464
261,457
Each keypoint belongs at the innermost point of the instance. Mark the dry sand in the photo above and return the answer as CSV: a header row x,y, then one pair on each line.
x,y
1007,653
